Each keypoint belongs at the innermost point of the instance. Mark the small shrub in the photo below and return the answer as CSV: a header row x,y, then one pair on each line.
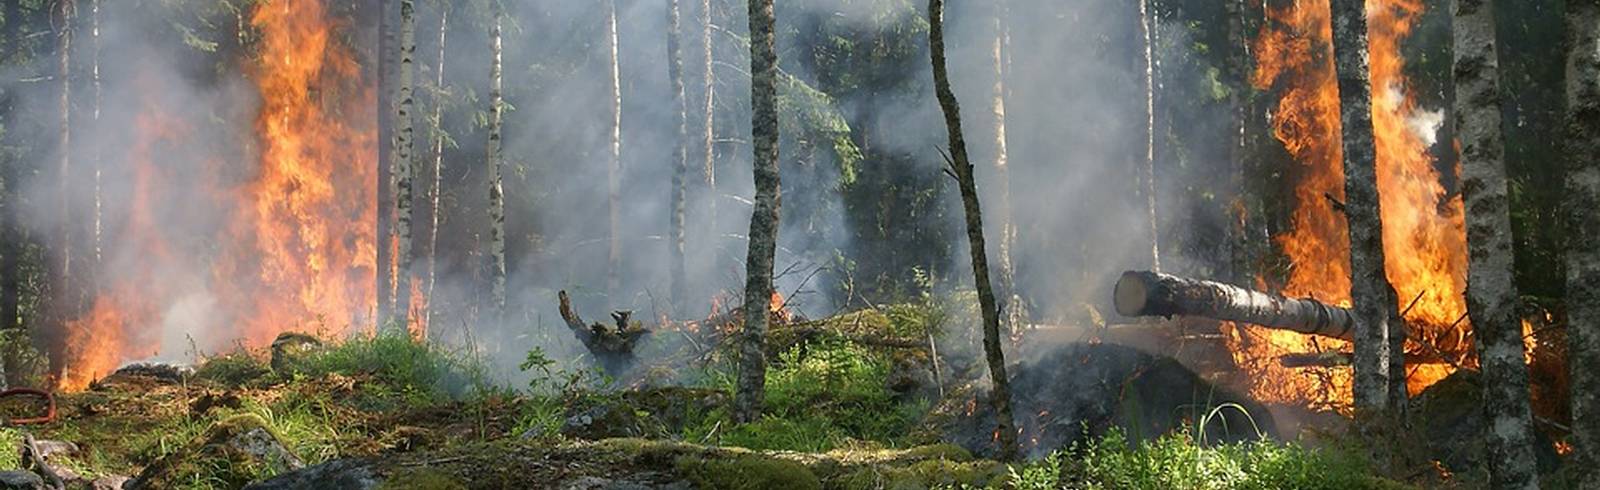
x,y
405,371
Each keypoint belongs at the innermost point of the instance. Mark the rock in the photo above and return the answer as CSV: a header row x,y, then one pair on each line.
x,y
339,474
109,482
1078,391
20,480
290,348
649,411
232,452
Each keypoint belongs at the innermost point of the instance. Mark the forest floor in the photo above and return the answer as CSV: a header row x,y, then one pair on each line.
x,y
387,412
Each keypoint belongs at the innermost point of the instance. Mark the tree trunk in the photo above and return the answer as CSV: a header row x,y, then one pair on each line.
x,y
1002,174
1238,52
1491,290
680,166
614,160
961,166
98,157
764,217
436,188
1144,293
1370,289
404,142
497,204
710,136
1147,167
1583,231
385,203
64,295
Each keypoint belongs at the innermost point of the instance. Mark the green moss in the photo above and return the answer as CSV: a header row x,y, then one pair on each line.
x,y
749,472
925,474
10,438
421,479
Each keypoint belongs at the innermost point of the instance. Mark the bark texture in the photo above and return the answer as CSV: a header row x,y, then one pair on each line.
x,y
1583,232
404,142
64,291
1370,289
614,160
1145,293
961,166
497,202
764,218
435,189
1491,291
680,165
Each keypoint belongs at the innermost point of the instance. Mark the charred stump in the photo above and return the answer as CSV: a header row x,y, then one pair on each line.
x,y
612,345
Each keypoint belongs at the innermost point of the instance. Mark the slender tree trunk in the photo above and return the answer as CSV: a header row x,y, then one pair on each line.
x,y
764,218
1491,289
497,204
1002,174
614,160
94,37
710,135
1148,166
1238,51
65,294
436,188
680,164
386,109
1583,232
961,166
1370,288
404,142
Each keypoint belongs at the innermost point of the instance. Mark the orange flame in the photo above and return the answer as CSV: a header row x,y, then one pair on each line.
x,y
1424,237
299,249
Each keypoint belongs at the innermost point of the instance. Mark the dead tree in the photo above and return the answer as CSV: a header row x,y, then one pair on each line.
x,y
612,345
961,169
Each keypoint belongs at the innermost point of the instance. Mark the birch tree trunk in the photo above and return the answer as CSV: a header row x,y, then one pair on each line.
x,y
1002,174
710,136
98,157
614,162
1238,58
1370,289
404,142
1583,232
386,184
1148,166
961,166
680,165
64,165
1491,290
497,204
764,217
435,189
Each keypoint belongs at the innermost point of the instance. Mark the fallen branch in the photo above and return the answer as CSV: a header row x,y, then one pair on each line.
x,y
1144,293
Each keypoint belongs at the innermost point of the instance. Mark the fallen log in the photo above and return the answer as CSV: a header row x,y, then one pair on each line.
x,y
1145,293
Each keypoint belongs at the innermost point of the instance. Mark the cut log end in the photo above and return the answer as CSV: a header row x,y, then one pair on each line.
x,y
1131,294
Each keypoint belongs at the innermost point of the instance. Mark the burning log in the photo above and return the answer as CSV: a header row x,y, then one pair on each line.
x,y
1145,293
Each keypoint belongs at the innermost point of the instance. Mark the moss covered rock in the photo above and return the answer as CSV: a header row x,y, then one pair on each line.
x,y
231,453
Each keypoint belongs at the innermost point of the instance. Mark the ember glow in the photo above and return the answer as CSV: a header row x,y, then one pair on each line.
x,y
1424,237
297,250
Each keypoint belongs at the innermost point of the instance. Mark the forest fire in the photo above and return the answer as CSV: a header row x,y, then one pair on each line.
x,y
1424,238
297,252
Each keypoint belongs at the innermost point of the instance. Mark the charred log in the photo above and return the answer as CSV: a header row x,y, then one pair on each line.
x,y
612,345
1145,293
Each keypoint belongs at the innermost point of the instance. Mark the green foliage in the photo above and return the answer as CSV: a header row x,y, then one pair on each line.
x,y
232,369
820,396
1178,461
405,371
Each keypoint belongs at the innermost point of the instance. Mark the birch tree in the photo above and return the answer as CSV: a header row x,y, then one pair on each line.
x,y
497,203
1370,289
1491,290
386,185
1583,232
764,217
680,164
1148,165
999,52
404,142
961,168
435,189
614,159
709,138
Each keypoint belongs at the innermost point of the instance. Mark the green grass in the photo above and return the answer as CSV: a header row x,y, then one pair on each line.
x,y
1177,461
820,396
406,372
